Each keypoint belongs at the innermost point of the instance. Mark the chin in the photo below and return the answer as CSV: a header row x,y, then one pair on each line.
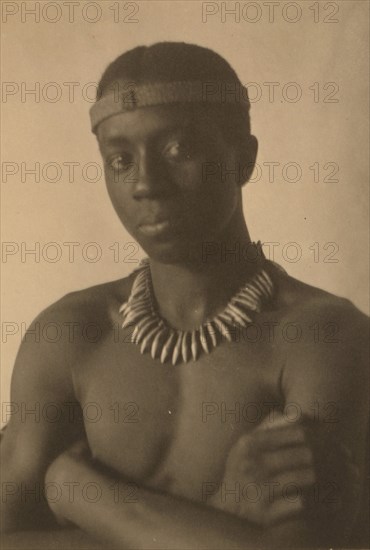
x,y
169,252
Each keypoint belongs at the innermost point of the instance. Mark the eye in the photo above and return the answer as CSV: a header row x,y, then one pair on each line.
x,y
121,162
179,151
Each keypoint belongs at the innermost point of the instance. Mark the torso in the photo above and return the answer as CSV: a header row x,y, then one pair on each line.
x,y
171,427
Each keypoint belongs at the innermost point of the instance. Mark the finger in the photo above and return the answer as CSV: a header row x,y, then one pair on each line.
x,y
293,481
283,510
279,437
251,445
276,419
288,458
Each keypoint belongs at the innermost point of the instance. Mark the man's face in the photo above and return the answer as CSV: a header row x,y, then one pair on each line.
x,y
165,174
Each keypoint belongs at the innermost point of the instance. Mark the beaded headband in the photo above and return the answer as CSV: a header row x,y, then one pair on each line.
x,y
161,93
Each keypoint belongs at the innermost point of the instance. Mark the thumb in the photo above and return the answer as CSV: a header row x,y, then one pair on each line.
x,y
274,419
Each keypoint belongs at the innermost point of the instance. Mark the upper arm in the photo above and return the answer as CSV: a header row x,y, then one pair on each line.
x,y
325,384
43,415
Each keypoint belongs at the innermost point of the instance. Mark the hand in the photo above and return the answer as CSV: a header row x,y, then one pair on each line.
x,y
269,468
281,469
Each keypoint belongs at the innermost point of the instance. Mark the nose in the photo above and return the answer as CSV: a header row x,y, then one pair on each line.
x,y
151,181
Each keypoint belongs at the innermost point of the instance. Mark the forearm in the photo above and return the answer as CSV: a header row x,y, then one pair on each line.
x,y
153,520
73,539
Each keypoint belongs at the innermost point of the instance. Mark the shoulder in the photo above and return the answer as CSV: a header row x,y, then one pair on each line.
x,y
63,333
324,342
72,326
96,304
311,308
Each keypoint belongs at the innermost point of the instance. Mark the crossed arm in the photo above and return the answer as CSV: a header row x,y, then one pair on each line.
x,y
277,453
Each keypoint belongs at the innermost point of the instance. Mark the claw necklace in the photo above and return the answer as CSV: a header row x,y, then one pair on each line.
x,y
163,342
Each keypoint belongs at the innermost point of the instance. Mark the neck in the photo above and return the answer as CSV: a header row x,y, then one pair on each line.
x,y
189,293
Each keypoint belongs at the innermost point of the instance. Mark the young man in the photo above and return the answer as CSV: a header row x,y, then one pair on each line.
x,y
192,432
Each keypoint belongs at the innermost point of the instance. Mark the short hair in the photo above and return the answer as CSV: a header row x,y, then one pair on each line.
x,y
179,61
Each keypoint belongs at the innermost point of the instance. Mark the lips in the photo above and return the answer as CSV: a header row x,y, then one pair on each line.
x,y
155,228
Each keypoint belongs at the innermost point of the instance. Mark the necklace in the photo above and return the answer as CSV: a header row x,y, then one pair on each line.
x,y
163,342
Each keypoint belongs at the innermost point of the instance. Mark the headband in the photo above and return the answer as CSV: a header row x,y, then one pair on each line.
x,y
162,93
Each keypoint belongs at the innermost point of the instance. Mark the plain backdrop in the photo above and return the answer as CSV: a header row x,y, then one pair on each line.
x,y
324,132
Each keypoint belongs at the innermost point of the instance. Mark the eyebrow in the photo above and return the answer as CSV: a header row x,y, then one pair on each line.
x,y
186,127
115,140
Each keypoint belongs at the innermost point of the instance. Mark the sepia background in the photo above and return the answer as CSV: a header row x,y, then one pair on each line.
x,y
319,139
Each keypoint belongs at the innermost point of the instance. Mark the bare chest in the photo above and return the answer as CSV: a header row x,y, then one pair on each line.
x,y
172,427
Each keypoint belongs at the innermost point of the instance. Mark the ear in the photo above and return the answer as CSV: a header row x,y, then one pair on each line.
x,y
248,155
